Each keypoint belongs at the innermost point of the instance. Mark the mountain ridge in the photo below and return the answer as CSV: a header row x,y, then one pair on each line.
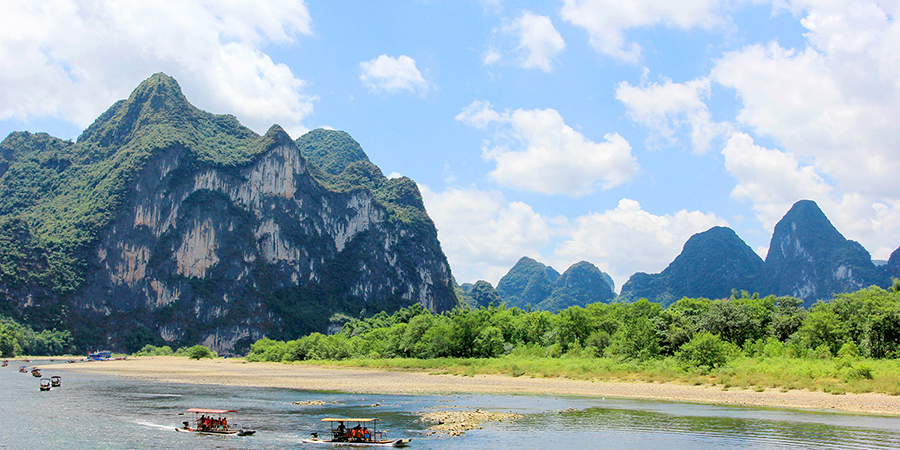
x,y
167,224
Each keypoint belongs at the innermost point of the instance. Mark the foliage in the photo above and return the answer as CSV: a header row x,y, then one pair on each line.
x,y
17,339
706,351
198,352
152,350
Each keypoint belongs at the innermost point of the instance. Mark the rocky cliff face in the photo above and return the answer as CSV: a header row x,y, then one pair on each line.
x,y
710,265
809,259
222,248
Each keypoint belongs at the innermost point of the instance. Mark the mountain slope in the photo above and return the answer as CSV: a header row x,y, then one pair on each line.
x,y
527,283
580,285
710,265
167,224
809,259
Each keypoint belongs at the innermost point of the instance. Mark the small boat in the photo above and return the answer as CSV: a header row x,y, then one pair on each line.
x,y
36,372
358,436
23,369
45,384
204,424
55,381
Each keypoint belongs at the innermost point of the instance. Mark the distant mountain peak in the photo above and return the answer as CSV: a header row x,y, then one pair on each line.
x,y
810,259
710,265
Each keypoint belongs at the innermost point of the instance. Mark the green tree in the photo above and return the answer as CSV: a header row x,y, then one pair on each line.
x,y
706,351
198,352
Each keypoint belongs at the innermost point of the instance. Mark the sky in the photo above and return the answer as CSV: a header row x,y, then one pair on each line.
x,y
570,130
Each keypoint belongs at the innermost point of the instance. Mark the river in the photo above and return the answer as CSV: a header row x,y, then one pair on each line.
x,y
98,412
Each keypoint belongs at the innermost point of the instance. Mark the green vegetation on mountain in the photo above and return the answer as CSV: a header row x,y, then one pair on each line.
x,y
532,285
150,225
527,284
59,195
481,294
338,162
809,259
581,284
711,265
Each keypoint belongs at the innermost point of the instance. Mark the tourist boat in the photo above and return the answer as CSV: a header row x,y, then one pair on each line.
x,y
36,372
358,436
204,423
55,381
23,369
100,355
45,384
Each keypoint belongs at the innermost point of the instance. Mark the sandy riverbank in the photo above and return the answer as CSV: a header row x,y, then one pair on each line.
x,y
374,381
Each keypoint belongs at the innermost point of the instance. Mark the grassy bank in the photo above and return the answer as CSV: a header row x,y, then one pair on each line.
x,y
832,375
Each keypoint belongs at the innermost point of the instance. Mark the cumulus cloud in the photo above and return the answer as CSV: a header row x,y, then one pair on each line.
x,y
481,233
539,42
771,180
536,151
830,108
389,74
666,108
834,101
71,59
628,239
607,20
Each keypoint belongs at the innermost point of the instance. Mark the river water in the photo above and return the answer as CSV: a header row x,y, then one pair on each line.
x,y
98,412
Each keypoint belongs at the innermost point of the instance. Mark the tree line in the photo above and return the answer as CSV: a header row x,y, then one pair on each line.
x,y
701,332
17,339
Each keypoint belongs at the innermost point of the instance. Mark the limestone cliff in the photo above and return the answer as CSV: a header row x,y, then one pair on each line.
x,y
215,235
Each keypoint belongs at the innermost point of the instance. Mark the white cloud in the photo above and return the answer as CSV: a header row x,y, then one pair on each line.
x,y
667,107
388,74
628,239
833,102
771,180
72,59
536,151
830,108
539,42
481,233
607,20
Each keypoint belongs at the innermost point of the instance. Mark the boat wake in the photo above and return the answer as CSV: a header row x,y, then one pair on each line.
x,y
154,425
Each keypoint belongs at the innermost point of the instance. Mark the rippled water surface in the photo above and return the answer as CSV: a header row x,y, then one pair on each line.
x,y
97,412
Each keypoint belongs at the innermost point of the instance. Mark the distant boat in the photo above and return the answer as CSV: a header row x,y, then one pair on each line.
x,y
358,436
45,384
23,369
204,424
55,381
101,355
36,372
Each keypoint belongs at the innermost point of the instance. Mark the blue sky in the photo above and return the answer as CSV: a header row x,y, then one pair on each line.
x,y
568,130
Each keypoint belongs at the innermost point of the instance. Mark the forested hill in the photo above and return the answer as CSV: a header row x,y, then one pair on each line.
x,y
808,259
165,224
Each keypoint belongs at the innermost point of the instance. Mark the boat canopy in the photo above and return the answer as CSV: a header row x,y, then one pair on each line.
x,y
211,411
332,419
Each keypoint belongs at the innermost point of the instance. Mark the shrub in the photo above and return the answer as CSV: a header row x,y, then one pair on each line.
x,y
198,352
706,351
